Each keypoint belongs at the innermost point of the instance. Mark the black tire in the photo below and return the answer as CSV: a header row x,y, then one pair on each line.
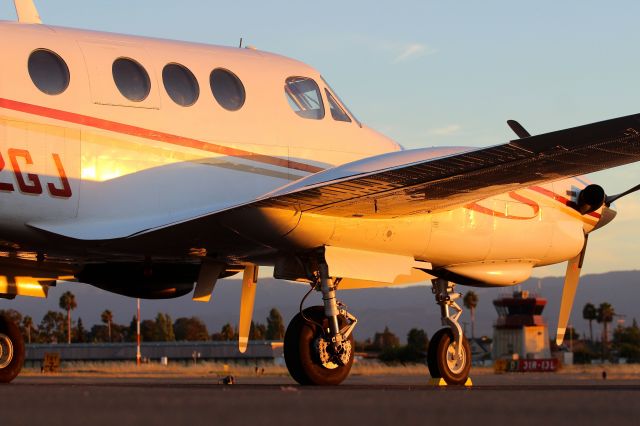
x,y
438,362
432,357
299,354
12,350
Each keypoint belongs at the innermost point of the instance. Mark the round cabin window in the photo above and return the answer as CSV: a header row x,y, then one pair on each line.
x,y
131,79
180,84
48,71
227,89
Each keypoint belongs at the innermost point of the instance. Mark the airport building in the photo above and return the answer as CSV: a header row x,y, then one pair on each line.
x,y
520,331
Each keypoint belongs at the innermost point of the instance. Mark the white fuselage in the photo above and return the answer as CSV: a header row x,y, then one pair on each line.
x,y
91,156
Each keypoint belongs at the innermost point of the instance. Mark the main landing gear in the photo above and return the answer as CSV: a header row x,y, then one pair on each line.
x,y
448,355
11,350
318,343
319,348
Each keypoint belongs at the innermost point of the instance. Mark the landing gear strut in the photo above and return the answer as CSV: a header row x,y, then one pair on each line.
x,y
318,344
11,350
448,355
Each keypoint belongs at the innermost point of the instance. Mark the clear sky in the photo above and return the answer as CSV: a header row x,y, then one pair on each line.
x,y
432,73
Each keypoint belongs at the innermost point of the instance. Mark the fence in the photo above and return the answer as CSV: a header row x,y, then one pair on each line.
x,y
177,351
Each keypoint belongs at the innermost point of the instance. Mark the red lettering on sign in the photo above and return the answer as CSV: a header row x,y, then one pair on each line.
x,y
34,187
4,186
66,188
537,365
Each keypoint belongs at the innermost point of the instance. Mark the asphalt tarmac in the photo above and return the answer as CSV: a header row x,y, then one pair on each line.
x,y
372,400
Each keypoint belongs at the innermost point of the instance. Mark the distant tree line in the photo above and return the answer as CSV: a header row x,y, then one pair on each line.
x,y
388,348
59,327
624,342
273,329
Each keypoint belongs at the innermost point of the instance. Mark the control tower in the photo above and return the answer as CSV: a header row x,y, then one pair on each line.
x,y
520,331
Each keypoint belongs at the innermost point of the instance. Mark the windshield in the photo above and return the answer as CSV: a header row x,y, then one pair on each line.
x,y
337,112
340,101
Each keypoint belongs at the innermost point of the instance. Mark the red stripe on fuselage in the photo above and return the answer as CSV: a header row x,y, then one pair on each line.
x,y
535,208
560,199
130,130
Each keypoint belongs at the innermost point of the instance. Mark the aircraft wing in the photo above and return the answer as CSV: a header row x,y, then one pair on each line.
x,y
433,184
405,182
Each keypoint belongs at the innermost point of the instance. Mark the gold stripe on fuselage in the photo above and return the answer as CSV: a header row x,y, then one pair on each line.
x,y
121,156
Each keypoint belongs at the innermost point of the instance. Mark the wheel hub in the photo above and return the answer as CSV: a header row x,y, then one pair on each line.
x,y
6,351
331,358
456,362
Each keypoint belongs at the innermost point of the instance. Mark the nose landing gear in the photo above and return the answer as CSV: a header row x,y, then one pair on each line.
x,y
449,354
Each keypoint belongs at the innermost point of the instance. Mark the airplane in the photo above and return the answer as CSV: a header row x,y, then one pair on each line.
x,y
153,168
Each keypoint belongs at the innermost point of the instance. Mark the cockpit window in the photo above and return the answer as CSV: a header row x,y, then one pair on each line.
x,y
337,112
304,97
336,97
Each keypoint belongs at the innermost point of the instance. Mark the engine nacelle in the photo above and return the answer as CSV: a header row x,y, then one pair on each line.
x,y
590,199
140,280
499,273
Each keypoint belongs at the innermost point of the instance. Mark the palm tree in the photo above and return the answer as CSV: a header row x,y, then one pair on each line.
x,y
275,325
590,313
107,318
68,303
470,302
605,316
27,324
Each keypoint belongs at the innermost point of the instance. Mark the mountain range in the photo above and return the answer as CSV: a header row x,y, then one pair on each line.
x,y
400,309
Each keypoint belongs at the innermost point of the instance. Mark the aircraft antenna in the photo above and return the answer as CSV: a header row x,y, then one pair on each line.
x,y
27,12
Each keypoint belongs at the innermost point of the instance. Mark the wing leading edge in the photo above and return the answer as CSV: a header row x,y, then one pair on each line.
x,y
447,182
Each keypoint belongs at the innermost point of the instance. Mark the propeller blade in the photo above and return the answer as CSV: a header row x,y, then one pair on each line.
x,y
611,198
248,296
518,129
207,278
571,280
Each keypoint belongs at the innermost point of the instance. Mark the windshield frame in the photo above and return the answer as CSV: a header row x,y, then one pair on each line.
x,y
342,104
